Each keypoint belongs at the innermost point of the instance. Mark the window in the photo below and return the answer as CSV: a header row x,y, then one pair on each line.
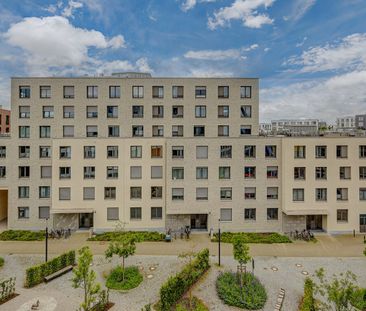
x,y
156,213
299,173
177,130
24,171
112,151
68,112
249,172
158,130
245,129
92,112
201,152
24,112
177,91
69,92
272,171
44,131
249,193
112,111
223,130
321,152
23,212
226,193
362,151
24,91
23,192
46,171
113,130
158,111
156,172
45,91
65,152
44,192
224,172
223,111
298,194
156,192
112,213
177,111
135,192
68,131
137,111
342,152
158,92
249,151
65,172
342,194
114,91
156,151
270,151
91,131
200,92
200,111
299,152
2,171
225,152
135,172
272,213
109,193
64,193
43,212
88,193
321,172
198,130
137,92
362,194
3,152
342,215
321,194
272,193
223,92
137,130
92,91
177,152
201,194
89,152
177,173
226,214
112,172
246,111
202,172
135,213
362,170
24,131
24,152
345,172
245,92
249,213
136,152
89,172
177,194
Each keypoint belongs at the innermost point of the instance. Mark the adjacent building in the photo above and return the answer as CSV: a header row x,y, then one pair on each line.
x,y
345,123
4,121
297,127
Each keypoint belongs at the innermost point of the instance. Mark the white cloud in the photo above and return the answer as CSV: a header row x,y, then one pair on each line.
x,y
244,10
209,73
299,9
215,55
300,44
266,49
71,7
190,4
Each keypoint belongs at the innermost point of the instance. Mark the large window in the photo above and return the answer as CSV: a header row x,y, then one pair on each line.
x,y
200,92
88,193
137,92
156,192
246,111
24,131
137,130
112,213
135,192
91,131
299,152
272,213
65,172
44,131
321,194
68,112
342,194
114,91
136,152
109,193
249,213
272,171
345,172
23,212
177,194
112,152
65,152
156,151
24,112
112,111
223,130
92,91
177,173
226,214
200,111
158,111
177,91
272,193
158,92
135,213
198,130
249,172
270,151
137,111
250,193
177,130
342,215
342,152
223,111
23,192
89,152
69,91
320,172
298,194
156,172
245,129
299,173
245,92
177,111
249,151
24,152
47,112
24,171
201,194
224,172
112,172
223,92
156,213
225,152
226,193
158,130
89,172
362,151
92,112
201,152
64,193
321,152
202,172
113,130
135,172
45,91
177,152
362,171
24,91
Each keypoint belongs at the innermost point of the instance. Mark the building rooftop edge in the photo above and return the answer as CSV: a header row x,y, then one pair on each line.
x,y
116,77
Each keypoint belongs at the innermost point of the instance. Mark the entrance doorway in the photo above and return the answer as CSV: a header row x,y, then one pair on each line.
x,y
3,209
199,221
314,222
362,222
85,220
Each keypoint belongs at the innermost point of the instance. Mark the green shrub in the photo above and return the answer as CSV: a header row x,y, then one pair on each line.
x,y
22,235
253,296
1,261
132,278
7,289
36,274
138,236
197,305
308,301
252,237
359,299
174,288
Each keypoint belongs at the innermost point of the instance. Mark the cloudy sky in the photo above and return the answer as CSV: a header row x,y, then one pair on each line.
x,y
310,55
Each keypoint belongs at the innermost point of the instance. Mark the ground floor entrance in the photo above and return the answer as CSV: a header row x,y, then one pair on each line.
x,y
85,220
314,222
363,223
3,204
199,221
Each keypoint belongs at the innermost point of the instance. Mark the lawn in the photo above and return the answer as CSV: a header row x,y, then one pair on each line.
x,y
252,237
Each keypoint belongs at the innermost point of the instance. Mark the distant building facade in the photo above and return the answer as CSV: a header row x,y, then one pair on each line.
x,y
360,121
4,121
345,123
297,127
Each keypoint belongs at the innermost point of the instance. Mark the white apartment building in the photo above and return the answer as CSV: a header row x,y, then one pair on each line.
x,y
296,126
346,123
157,153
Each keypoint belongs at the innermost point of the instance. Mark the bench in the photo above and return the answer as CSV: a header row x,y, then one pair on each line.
x,y
58,273
280,299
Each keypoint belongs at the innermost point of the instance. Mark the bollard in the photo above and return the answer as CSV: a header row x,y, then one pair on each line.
x,y
354,233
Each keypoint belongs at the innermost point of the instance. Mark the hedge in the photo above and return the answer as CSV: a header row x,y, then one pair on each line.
x,y
36,274
138,236
22,235
308,301
252,237
177,285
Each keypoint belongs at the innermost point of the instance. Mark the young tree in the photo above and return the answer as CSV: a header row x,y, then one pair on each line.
x,y
241,255
84,278
122,249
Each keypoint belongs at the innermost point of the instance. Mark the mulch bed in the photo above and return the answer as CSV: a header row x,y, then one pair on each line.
x,y
10,298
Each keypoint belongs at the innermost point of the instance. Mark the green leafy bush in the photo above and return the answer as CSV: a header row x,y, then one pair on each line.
x,y
308,301
197,305
22,235
252,296
36,274
359,299
132,278
1,261
252,237
174,288
138,236
7,289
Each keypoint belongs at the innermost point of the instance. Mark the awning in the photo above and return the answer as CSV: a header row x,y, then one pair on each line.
x,y
71,210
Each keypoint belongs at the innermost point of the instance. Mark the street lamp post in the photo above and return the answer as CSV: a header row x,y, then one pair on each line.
x,y
219,244
46,250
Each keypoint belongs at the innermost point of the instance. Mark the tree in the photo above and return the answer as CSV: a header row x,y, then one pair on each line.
x,y
84,278
241,255
122,249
